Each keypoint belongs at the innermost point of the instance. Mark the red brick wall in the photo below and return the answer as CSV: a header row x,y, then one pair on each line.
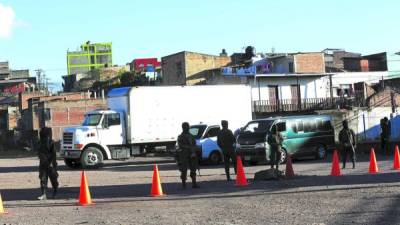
x,y
309,63
66,113
24,97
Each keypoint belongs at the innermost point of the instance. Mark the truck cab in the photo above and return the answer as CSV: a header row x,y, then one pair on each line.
x,y
95,140
206,139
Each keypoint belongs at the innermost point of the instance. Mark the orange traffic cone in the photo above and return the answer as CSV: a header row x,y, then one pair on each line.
x,y
156,189
373,166
396,162
289,173
335,171
2,211
84,194
241,176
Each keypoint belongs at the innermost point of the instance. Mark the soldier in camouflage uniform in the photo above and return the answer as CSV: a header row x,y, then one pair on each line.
x,y
275,141
226,141
48,163
188,158
347,138
385,135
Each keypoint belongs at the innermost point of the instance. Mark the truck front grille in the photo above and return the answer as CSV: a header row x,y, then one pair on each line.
x,y
247,146
67,138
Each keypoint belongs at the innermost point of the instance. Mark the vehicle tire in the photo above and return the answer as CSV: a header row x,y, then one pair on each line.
x,y
72,163
283,156
92,157
215,158
320,152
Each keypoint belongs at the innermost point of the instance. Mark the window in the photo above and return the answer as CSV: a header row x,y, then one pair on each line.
x,y
299,126
324,125
197,130
213,132
327,126
310,126
111,120
92,120
258,126
281,126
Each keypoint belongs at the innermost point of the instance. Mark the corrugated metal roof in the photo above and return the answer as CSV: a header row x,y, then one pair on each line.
x,y
13,81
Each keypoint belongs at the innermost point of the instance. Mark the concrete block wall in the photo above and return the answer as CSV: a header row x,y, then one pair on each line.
x,y
171,74
196,63
177,67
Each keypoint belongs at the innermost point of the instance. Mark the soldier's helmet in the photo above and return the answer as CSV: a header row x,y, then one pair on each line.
x,y
345,124
185,126
224,124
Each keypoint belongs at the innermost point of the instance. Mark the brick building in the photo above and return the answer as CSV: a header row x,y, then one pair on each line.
x,y
58,113
178,67
309,63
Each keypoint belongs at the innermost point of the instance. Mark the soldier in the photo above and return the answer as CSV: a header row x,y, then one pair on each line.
x,y
385,135
347,138
48,163
187,156
275,141
226,141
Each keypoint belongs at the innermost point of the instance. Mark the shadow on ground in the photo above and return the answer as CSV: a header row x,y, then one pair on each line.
x,y
218,189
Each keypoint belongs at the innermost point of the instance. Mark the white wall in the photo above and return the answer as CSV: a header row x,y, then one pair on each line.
x,y
310,87
372,123
355,77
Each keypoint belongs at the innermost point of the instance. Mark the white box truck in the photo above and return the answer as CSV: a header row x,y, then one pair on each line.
x,y
138,118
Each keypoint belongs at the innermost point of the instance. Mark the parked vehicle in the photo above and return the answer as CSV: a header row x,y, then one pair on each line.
x,y
310,135
141,118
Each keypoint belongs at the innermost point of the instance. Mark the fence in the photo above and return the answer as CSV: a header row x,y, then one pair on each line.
x,y
308,104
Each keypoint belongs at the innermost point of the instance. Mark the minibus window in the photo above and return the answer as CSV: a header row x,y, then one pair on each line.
x,y
320,125
310,126
300,126
327,126
281,126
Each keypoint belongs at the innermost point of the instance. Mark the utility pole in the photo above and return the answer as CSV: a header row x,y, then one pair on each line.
x,y
41,81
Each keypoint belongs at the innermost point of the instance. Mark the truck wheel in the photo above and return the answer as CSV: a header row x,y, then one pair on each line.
x,y
215,158
72,163
91,158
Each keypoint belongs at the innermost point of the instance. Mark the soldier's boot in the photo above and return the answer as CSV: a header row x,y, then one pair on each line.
x,y
54,192
194,183
228,177
183,184
43,196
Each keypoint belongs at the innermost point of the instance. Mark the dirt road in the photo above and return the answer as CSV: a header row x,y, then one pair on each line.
x,y
121,192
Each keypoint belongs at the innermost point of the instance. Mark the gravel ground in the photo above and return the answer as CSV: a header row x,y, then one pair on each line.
x,y
121,192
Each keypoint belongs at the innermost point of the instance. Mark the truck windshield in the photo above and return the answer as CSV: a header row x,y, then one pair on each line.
x,y
92,119
197,130
262,126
